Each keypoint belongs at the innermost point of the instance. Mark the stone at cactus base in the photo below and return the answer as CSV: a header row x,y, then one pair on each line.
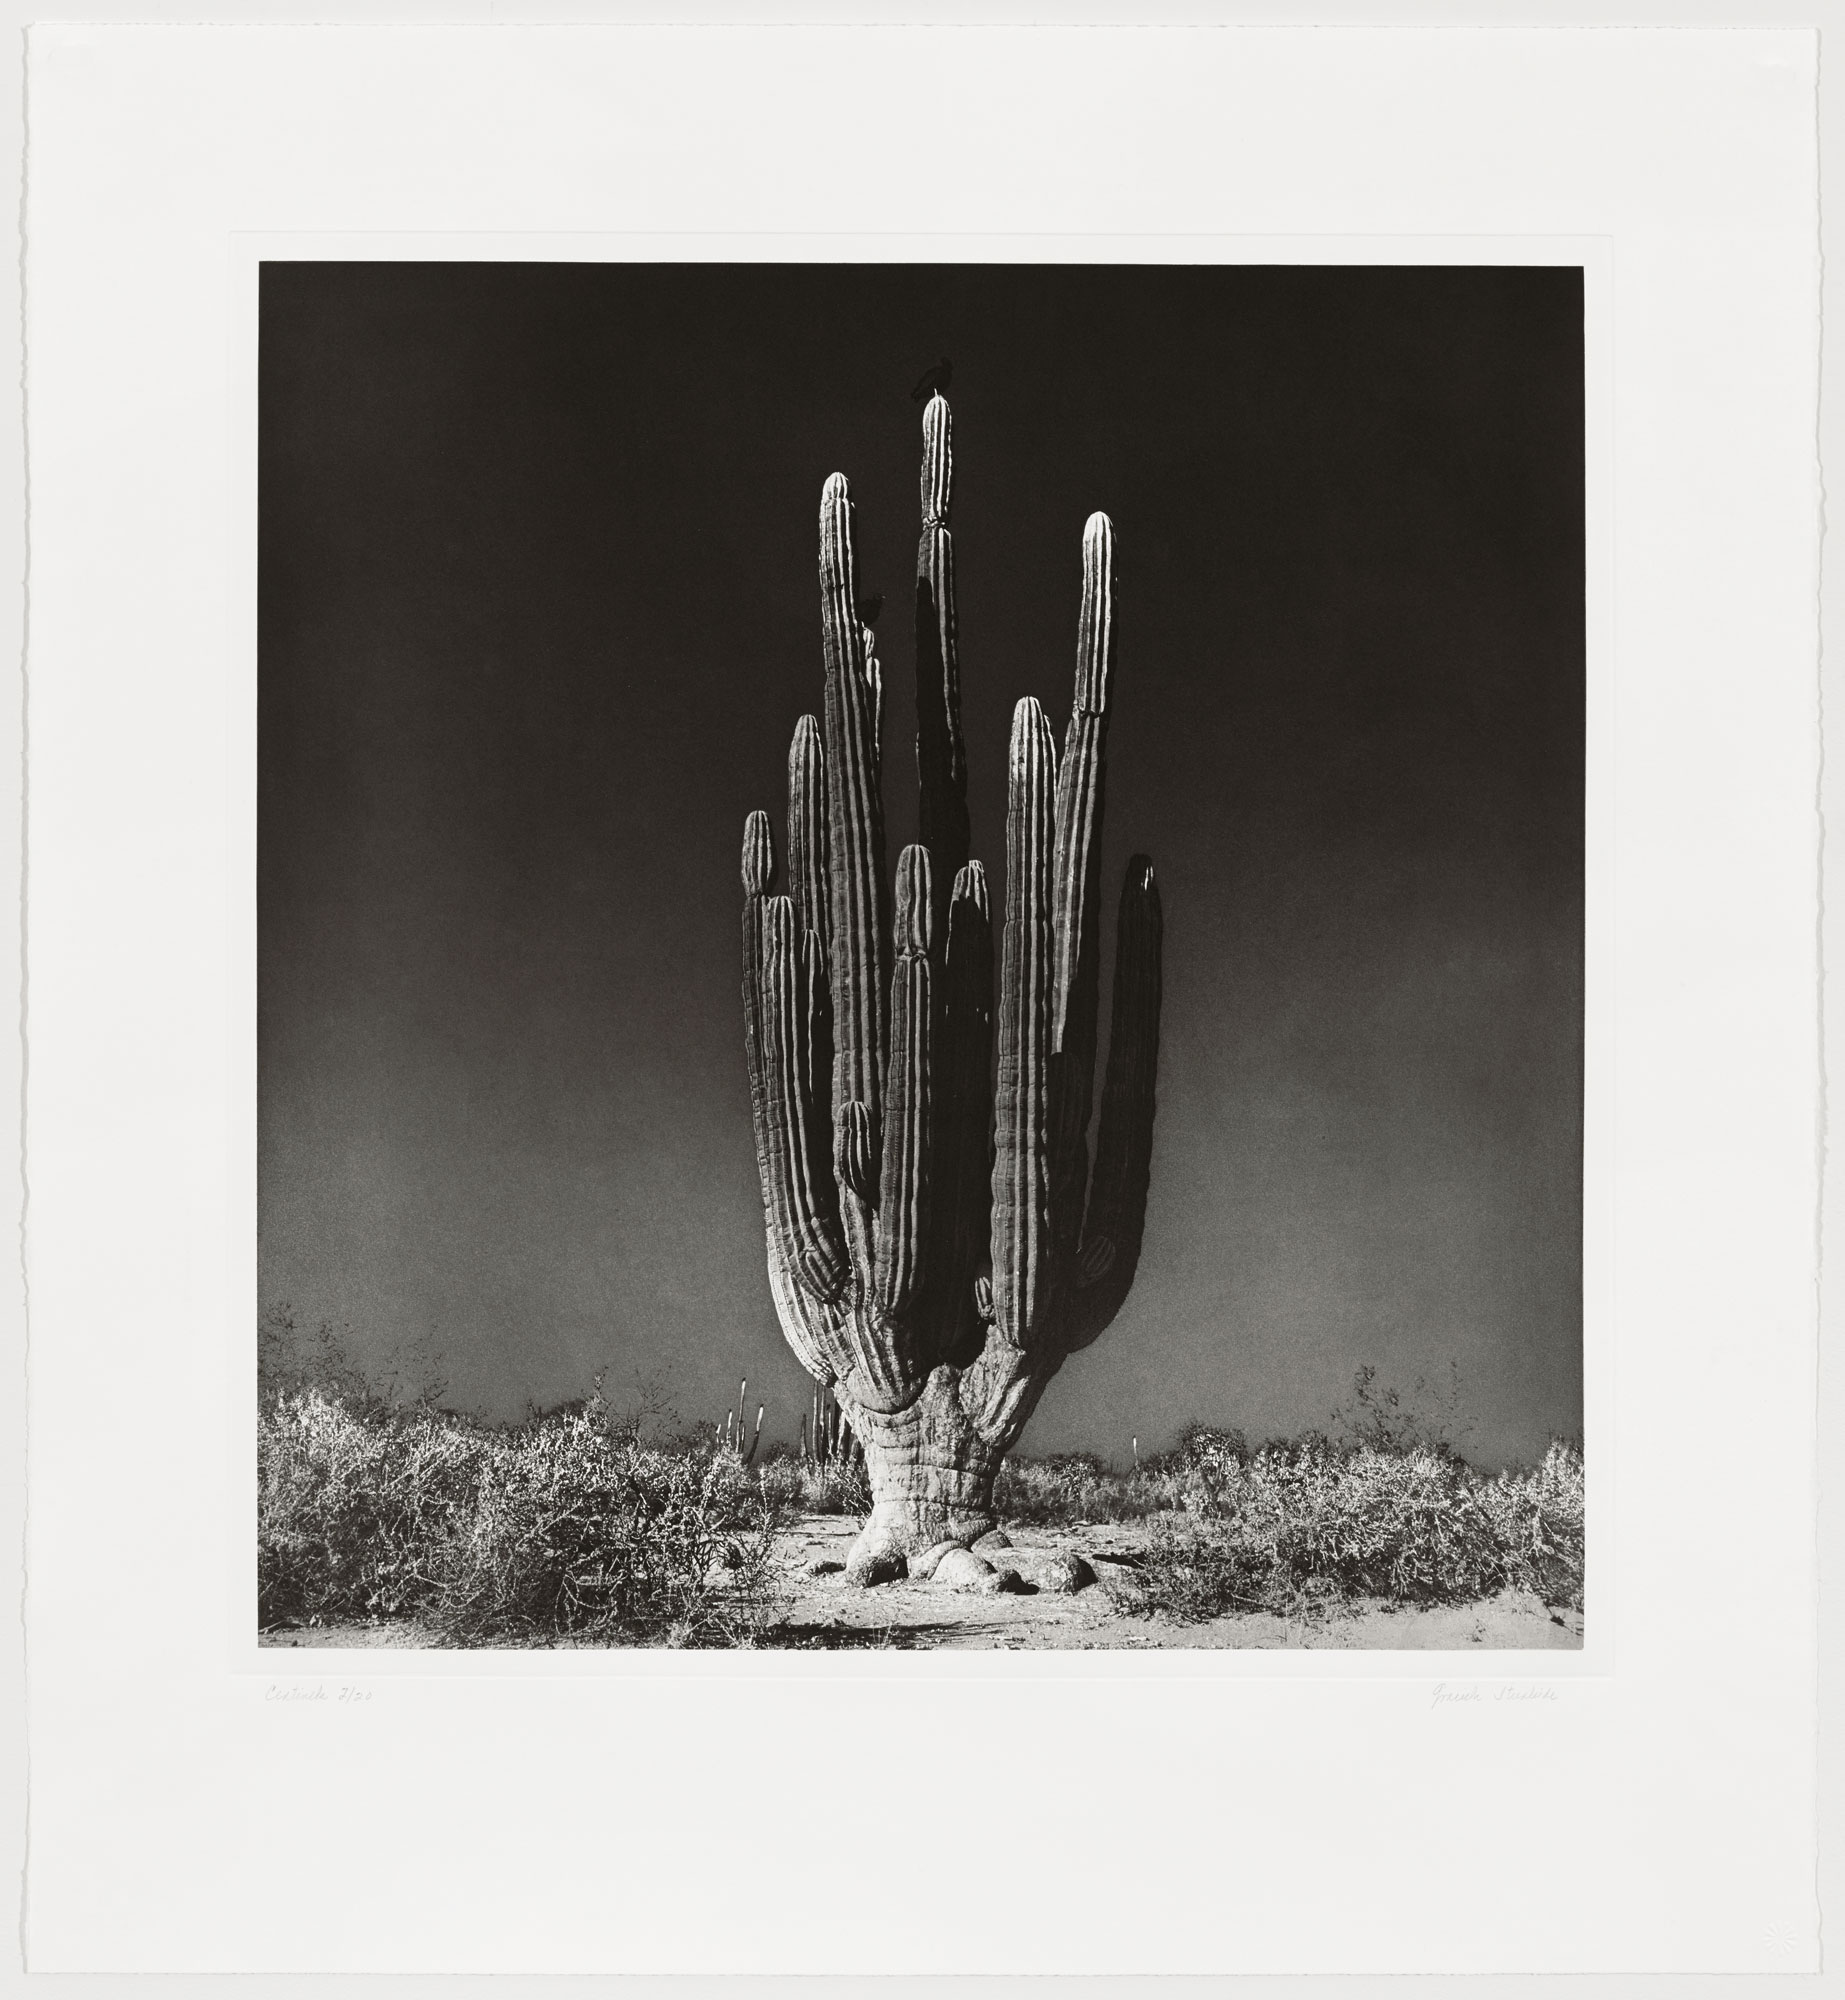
x,y
961,1569
1066,1573
822,1566
1003,1582
874,1561
996,1539
923,1567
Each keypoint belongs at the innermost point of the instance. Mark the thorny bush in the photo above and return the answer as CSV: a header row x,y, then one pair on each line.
x,y
1294,1525
563,1526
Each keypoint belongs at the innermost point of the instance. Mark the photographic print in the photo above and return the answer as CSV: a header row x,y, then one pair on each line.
x,y
920,955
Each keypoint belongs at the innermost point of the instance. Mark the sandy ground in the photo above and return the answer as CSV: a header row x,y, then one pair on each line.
x,y
817,1609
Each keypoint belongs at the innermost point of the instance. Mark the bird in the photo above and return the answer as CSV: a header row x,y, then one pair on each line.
x,y
869,608
933,379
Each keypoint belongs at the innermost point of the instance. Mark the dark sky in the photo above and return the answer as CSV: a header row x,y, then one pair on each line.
x,y
539,609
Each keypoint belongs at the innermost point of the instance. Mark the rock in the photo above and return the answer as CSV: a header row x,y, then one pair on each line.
x,y
994,1538
961,1569
869,1567
821,1566
1002,1582
924,1566
1066,1573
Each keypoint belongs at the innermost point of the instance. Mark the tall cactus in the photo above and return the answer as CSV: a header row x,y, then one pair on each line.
x,y
939,1243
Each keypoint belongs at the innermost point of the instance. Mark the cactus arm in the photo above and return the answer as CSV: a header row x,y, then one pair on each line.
x,y
941,756
810,1330
816,1058
1022,1265
961,1174
903,1202
807,882
1117,1214
758,876
1002,1387
803,1202
855,1169
855,824
808,1325
1077,892
964,1123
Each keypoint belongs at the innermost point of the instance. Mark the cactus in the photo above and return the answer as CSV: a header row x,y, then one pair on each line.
x,y
939,1242
830,1440
731,1432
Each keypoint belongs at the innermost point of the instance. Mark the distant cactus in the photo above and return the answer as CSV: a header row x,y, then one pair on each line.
x,y
938,1245
825,1437
731,1432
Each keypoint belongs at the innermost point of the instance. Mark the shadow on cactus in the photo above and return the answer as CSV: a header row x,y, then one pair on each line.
x,y
939,1241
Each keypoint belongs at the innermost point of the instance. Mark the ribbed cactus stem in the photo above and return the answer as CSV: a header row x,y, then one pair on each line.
x,y
912,927
1113,1228
1095,641
801,1315
941,758
938,462
859,947
815,1029
1021,1166
807,828
1078,884
903,1203
758,855
802,1199
964,1121
758,872
852,1151
1079,790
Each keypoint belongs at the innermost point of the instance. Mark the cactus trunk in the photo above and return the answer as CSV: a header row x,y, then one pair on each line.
x,y
938,1241
931,1470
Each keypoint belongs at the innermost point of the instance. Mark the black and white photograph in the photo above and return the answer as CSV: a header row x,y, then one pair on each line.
x,y
921,955
935,900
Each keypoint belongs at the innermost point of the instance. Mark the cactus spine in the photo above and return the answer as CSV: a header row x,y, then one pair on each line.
x,y
938,1242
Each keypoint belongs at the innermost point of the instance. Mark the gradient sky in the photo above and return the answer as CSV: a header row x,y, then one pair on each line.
x,y
538,610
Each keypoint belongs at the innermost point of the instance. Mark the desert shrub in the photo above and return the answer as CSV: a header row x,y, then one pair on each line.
x,y
1073,1489
571,1533
1199,1445
563,1526
790,1484
1077,1489
351,1500
1539,1518
778,1480
1315,1521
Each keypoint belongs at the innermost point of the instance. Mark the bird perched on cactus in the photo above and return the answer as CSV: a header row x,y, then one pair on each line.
x,y
939,1241
934,380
